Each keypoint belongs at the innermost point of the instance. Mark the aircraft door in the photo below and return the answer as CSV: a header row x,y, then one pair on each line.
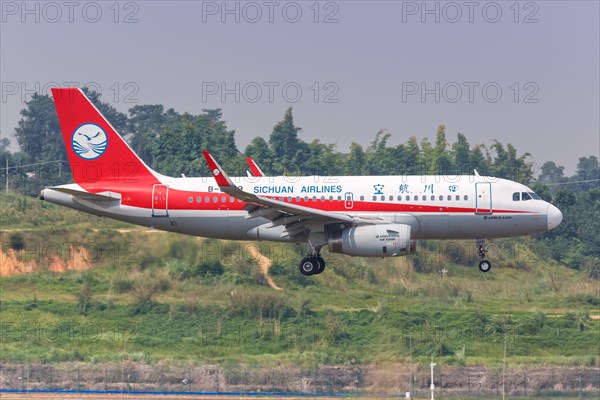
x,y
483,198
160,197
348,200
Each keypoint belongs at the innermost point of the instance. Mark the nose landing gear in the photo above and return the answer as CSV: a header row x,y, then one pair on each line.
x,y
484,265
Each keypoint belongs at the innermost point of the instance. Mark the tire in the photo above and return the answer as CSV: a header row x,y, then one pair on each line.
x,y
308,266
321,265
485,266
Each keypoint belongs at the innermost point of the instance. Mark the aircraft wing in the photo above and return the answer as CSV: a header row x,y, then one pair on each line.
x,y
280,212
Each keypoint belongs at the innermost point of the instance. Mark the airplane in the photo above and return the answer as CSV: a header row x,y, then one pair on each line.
x,y
363,216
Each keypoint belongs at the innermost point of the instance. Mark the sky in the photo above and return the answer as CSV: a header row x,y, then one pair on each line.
x,y
526,73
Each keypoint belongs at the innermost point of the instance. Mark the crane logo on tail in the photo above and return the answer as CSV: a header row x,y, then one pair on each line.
x,y
89,141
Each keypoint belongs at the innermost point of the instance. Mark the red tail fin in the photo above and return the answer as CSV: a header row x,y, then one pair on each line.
x,y
98,155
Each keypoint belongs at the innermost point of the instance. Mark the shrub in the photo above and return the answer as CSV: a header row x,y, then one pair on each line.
x,y
259,304
179,270
213,268
16,241
124,285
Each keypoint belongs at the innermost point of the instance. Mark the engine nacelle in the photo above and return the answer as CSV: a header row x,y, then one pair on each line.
x,y
386,240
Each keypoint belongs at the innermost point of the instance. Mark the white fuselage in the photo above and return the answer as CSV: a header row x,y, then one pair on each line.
x,y
435,206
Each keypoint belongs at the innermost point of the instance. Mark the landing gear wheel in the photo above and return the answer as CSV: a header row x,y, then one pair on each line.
x,y
321,264
485,266
308,266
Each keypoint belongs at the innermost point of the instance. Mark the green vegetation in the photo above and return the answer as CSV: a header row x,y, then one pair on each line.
x,y
152,296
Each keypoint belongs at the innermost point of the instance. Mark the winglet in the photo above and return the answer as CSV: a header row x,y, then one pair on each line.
x,y
215,169
254,168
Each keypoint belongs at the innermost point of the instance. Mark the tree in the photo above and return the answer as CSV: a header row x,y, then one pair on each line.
x,y
177,150
40,139
38,133
442,163
587,217
461,154
356,159
285,144
507,164
259,150
323,159
587,170
377,156
213,114
551,173
412,157
145,123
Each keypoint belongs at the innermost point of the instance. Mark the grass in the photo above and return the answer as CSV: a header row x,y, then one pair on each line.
x,y
157,296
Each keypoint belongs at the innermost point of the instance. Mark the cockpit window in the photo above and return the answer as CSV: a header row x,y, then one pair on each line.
x,y
525,196
534,195
516,196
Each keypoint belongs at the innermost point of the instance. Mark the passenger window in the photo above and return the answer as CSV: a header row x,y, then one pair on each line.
x,y
391,198
466,197
374,198
207,199
382,198
432,197
198,199
457,197
362,198
215,199
416,198
223,199
190,199
516,196
449,197
525,196
407,198
232,199
424,197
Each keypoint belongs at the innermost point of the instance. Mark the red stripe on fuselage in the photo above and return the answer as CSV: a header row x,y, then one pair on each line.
x,y
180,200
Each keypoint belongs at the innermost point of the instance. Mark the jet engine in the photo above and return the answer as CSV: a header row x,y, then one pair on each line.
x,y
386,240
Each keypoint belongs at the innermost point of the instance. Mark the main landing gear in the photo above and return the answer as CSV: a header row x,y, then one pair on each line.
x,y
484,265
313,264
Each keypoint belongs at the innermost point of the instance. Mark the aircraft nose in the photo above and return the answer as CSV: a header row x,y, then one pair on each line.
x,y
554,217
